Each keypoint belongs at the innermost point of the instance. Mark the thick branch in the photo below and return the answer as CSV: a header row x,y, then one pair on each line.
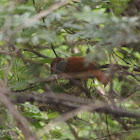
x,y
74,103
22,123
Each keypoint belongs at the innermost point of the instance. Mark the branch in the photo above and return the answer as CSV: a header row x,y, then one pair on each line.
x,y
38,10
22,123
54,50
37,53
91,107
44,13
118,67
74,102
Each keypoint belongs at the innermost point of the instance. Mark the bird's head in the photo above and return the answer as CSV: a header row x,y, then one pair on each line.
x,y
54,64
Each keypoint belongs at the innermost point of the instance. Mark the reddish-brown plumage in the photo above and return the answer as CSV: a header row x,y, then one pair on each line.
x,y
77,64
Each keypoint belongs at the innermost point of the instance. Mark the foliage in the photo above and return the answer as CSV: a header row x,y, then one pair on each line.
x,y
106,31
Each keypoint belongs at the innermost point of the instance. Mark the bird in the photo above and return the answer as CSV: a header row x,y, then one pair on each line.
x,y
77,64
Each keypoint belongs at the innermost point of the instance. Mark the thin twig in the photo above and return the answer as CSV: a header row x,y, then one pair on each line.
x,y
73,131
108,128
37,53
103,137
43,19
54,50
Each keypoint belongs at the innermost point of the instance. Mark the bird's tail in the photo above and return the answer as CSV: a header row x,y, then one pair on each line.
x,y
101,76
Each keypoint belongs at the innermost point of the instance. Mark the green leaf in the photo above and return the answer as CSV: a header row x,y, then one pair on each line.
x,y
6,138
57,88
19,85
134,135
52,115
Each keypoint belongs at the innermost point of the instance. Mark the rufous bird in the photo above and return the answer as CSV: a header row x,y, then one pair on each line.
x,y
76,64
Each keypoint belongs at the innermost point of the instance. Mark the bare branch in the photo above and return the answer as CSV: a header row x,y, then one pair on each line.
x,y
22,123
37,53
54,50
44,13
74,102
